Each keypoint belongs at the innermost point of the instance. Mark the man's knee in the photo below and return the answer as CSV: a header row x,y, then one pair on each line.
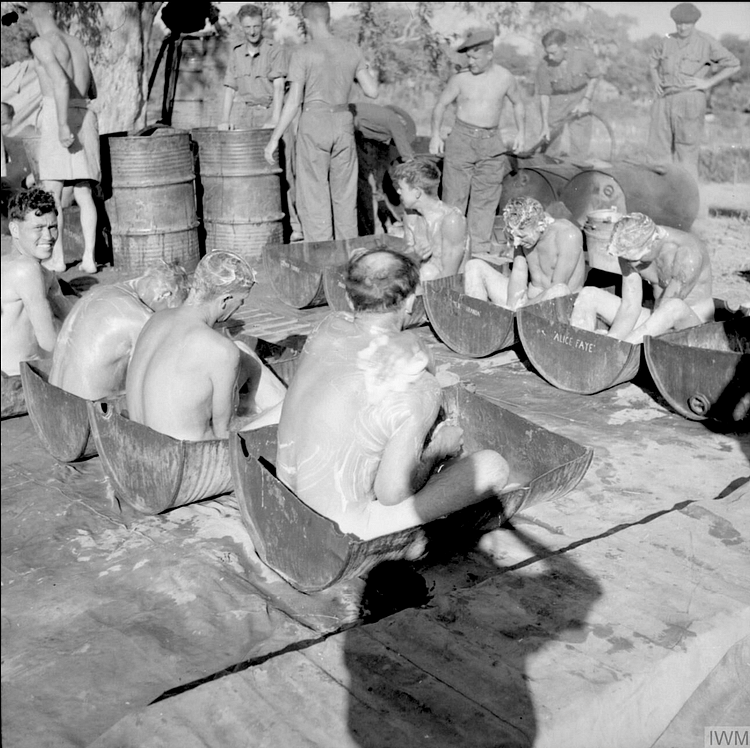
x,y
491,471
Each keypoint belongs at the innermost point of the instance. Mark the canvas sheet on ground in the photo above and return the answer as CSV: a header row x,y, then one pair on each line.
x,y
104,611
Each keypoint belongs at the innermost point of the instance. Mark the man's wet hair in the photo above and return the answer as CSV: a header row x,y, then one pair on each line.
x,y
249,11
520,212
633,231
36,201
171,274
220,273
316,11
380,279
554,36
421,173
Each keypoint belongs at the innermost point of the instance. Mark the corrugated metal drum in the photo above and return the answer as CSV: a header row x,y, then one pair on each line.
x,y
667,194
239,191
152,208
187,111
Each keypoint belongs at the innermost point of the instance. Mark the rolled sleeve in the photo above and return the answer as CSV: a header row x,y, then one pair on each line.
x,y
722,57
297,71
278,63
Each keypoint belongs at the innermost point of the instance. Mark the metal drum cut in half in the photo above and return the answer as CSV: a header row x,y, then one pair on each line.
x,y
60,418
311,551
152,208
703,372
666,193
468,326
570,358
296,270
239,191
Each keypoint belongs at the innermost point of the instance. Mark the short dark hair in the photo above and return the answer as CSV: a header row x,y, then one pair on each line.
x,y
554,36
380,279
421,173
249,11
36,201
316,11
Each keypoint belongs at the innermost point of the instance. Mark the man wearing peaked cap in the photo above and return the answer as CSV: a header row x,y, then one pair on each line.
x,y
681,65
685,13
476,38
475,161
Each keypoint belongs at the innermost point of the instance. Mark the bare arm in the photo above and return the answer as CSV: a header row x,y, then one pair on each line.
x,y
367,82
518,283
453,240
226,108
686,271
278,101
630,308
544,110
405,466
44,55
519,113
448,96
584,105
33,293
288,113
225,373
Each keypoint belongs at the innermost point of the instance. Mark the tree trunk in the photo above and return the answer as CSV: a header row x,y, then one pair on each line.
x,y
120,64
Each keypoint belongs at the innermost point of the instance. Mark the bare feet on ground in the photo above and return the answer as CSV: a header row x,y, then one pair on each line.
x,y
91,269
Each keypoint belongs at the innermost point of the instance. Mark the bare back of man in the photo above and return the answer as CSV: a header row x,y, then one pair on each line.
x,y
70,55
677,267
184,378
177,366
94,346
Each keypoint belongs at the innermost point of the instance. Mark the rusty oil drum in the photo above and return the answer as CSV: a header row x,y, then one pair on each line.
x,y
542,178
152,208
239,191
665,193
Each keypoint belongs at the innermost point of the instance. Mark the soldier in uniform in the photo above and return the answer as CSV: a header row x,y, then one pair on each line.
x,y
321,75
566,81
256,74
681,73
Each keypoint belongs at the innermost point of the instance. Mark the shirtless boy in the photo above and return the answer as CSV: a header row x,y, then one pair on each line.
x,y
33,306
676,265
475,164
437,233
357,436
69,135
184,377
98,336
547,262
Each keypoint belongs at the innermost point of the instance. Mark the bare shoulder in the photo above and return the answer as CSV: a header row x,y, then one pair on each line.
x,y
567,231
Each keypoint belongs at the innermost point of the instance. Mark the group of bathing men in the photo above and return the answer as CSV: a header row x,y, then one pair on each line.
x,y
362,436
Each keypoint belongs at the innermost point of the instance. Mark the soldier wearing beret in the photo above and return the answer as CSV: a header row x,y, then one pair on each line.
x,y
681,73
475,160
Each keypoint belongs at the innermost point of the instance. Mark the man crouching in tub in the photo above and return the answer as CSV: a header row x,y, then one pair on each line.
x,y
184,378
353,435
